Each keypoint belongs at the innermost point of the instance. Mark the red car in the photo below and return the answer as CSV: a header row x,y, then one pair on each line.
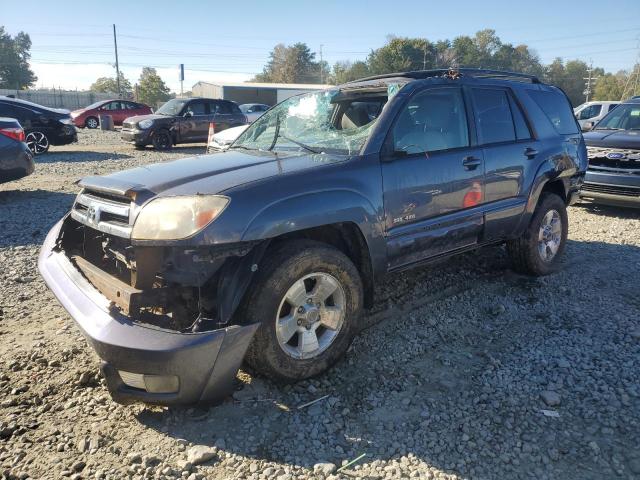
x,y
118,109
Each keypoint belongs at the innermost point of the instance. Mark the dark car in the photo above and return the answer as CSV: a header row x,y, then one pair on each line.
x,y
43,126
182,120
268,252
613,146
16,160
119,110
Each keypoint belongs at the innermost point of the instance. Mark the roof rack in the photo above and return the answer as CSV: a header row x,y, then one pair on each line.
x,y
456,73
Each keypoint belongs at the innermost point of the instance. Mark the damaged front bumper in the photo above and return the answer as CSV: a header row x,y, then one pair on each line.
x,y
142,362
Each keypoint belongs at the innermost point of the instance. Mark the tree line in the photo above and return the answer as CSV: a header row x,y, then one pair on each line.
x,y
297,64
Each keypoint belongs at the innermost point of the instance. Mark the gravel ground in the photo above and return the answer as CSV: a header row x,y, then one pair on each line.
x,y
467,370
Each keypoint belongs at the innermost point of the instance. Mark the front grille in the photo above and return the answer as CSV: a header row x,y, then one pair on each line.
x,y
611,189
614,160
105,212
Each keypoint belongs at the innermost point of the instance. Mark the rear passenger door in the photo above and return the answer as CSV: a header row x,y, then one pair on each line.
x,y
509,152
432,179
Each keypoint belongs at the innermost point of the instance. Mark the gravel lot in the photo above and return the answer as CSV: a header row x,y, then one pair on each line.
x,y
467,370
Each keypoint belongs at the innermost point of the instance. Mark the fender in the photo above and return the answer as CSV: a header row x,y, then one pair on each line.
x,y
320,208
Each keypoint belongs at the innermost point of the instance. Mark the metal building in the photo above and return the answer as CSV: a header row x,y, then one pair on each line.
x,y
267,93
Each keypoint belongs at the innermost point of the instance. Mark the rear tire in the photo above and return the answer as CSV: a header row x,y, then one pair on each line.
x,y
162,140
538,251
302,334
92,123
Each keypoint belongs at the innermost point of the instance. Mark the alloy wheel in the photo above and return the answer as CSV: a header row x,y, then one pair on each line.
x,y
37,142
549,235
92,123
310,316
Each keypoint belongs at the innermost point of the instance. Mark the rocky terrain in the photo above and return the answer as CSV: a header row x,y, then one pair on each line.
x,y
466,370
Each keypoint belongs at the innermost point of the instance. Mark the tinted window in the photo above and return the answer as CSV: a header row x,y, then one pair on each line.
x,y
522,129
557,109
196,108
432,120
493,115
235,109
112,106
222,107
11,111
624,117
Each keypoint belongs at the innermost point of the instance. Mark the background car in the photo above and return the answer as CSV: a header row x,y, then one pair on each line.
x,y
613,147
118,109
16,160
222,140
181,120
43,126
253,111
592,112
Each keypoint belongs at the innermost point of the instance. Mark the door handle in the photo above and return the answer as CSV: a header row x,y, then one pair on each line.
x,y
530,152
471,162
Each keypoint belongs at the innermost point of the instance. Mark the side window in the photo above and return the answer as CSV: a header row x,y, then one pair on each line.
x,y
433,120
557,109
196,108
612,106
522,129
130,106
590,112
223,108
235,109
493,116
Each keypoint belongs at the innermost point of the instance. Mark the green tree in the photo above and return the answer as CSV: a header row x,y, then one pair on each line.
x,y
347,71
151,88
610,86
290,64
15,71
110,85
402,54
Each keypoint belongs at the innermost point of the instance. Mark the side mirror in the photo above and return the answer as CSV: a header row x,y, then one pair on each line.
x,y
588,126
188,114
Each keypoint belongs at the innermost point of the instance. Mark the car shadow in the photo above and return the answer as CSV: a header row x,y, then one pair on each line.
x,y
609,211
27,215
429,368
73,156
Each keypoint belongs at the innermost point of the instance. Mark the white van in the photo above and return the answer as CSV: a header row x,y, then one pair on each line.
x,y
593,112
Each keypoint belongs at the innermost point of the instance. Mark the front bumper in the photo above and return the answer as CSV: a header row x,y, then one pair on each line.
x,y
203,365
138,137
65,135
611,189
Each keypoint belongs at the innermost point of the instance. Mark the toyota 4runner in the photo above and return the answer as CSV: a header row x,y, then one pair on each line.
x,y
268,252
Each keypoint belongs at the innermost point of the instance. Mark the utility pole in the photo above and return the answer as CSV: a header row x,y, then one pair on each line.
x,y
424,57
589,79
321,65
115,45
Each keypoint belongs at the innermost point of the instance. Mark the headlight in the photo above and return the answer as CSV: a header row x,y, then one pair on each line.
x,y
144,124
174,218
66,121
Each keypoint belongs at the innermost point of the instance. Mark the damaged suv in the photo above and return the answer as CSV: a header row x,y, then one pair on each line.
x,y
268,252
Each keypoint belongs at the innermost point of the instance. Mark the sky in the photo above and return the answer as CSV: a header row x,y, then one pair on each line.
x,y
231,40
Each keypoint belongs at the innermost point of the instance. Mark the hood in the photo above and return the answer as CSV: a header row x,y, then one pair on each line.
x,y
205,174
227,136
149,116
627,139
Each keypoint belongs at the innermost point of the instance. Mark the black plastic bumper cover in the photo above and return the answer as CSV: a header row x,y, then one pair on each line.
x,y
205,363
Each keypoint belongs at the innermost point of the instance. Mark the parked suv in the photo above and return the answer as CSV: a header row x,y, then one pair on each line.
x,y
613,176
269,251
43,126
119,110
181,120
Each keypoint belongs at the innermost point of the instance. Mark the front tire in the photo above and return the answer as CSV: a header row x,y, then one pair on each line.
x,y
162,140
37,141
538,251
308,299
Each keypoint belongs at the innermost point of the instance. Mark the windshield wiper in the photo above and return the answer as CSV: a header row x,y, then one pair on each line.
x,y
306,147
277,135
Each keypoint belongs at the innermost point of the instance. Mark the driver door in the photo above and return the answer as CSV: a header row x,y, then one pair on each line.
x,y
194,124
433,179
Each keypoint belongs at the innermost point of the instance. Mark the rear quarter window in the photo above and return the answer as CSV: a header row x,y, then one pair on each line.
x,y
557,109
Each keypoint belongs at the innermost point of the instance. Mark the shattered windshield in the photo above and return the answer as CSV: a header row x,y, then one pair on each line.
x,y
325,121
